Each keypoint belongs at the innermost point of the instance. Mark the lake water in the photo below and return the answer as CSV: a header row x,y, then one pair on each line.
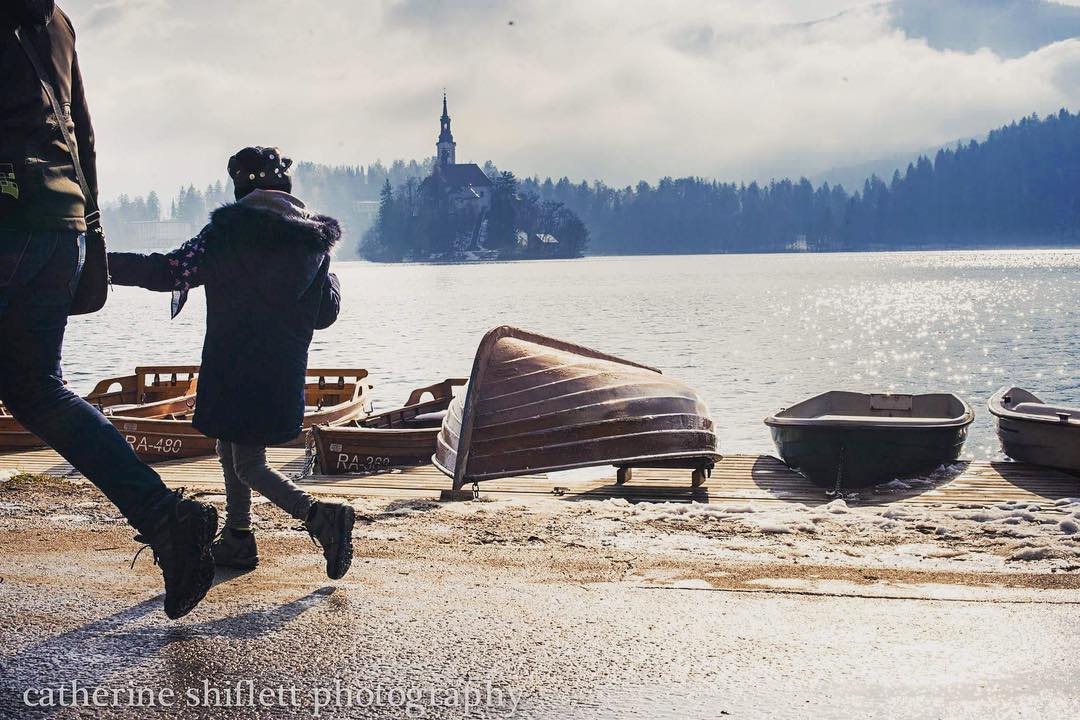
x,y
751,333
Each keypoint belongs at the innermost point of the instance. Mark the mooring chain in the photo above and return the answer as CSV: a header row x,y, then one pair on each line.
x,y
309,458
838,490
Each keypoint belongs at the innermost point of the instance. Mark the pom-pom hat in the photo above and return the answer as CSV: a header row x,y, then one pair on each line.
x,y
260,167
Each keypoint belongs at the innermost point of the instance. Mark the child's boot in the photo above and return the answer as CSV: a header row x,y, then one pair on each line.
x,y
235,549
331,526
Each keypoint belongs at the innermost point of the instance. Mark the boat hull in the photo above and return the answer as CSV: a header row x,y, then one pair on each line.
x,y
861,457
14,437
160,440
150,391
171,436
346,450
537,404
1031,431
401,437
1040,444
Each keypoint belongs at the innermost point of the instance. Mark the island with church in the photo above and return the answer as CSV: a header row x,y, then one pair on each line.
x,y
460,213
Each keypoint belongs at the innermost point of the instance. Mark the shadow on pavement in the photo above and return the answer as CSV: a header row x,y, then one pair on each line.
x,y
640,494
93,653
224,574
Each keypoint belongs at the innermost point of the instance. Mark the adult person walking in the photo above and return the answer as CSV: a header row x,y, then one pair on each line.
x,y
43,210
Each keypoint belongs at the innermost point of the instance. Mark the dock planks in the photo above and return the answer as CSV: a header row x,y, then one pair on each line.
x,y
736,479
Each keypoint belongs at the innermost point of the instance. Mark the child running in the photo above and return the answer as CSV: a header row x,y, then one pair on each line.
x,y
265,264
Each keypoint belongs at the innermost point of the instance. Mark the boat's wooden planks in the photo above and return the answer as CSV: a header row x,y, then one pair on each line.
x,y
360,449
167,433
36,462
736,479
538,403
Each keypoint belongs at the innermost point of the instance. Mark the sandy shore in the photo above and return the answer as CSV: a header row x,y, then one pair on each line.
x,y
555,609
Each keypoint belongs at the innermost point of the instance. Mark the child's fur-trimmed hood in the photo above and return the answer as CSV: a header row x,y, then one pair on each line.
x,y
275,216
277,241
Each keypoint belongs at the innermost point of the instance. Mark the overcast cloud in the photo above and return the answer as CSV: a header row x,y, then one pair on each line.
x,y
619,90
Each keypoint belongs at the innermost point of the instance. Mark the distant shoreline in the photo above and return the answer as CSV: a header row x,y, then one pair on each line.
x,y
856,251
1071,245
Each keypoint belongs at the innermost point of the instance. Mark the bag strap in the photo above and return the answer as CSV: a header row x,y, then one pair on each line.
x,y
92,213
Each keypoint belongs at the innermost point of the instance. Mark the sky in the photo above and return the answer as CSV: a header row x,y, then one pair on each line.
x,y
617,90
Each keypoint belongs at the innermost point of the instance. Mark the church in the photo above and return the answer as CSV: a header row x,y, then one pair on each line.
x,y
464,184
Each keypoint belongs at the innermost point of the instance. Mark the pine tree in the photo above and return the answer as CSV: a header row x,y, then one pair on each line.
x,y
502,229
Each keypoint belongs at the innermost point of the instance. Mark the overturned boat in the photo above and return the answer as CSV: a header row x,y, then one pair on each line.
x,y
846,439
400,437
148,392
1036,432
165,432
536,404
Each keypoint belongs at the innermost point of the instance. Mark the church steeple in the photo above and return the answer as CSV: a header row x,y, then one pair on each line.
x,y
446,146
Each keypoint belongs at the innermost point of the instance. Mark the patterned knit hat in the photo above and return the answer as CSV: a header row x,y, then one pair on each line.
x,y
259,167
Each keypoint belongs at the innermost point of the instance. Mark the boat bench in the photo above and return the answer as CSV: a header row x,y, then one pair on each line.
x,y
1029,408
872,419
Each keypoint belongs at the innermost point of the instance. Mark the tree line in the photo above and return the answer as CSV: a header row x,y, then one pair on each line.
x,y
1021,185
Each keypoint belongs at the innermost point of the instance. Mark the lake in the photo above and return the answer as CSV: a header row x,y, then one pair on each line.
x,y
751,333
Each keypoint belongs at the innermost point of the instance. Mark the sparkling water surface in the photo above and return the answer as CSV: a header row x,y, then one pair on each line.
x,y
751,333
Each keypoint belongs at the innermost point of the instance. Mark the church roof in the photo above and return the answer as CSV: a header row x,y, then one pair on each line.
x,y
463,175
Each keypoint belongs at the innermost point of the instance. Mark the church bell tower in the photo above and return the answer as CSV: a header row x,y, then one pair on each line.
x,y
446,146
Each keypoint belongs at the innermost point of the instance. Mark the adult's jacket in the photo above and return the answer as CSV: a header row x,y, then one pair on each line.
x,y
265,264
38,186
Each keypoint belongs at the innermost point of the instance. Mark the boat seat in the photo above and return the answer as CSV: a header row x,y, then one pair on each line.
x,y
426,420
1030,408
872,419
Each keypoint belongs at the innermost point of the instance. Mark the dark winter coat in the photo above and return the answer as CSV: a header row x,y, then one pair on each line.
x,y
265,263
38,186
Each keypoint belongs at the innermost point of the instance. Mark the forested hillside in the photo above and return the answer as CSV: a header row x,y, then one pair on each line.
x,y
1021,185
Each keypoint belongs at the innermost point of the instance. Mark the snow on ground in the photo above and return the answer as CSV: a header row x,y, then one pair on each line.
x,y
999,536
996,538
1007,536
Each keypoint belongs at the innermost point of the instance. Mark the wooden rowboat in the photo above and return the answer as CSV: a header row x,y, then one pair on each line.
x,y
536,404
1036,432
400,437
847,439
150,391
333,397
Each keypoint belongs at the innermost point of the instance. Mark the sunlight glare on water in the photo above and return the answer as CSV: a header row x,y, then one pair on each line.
x,y
751,333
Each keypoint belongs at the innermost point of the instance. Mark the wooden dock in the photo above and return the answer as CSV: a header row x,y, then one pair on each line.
x,y
736,479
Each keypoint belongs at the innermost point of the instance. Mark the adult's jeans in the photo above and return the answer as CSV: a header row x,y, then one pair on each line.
x,y
39,272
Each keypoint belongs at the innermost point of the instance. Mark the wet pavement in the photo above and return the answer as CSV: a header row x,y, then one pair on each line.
x,y
450,614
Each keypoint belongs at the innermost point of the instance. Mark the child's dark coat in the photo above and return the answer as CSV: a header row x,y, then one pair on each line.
x,y
265,264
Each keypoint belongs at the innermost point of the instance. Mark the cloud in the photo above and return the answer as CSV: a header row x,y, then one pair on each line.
x,y
108,14
437,15
618,90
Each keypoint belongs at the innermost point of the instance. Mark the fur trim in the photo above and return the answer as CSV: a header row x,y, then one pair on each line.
x,y
239,220
27,13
